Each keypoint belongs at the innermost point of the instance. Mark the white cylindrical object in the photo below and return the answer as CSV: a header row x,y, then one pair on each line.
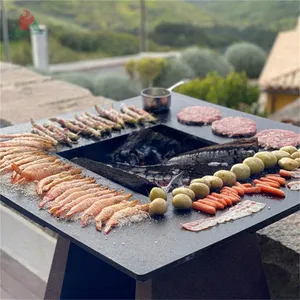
x,y
39,47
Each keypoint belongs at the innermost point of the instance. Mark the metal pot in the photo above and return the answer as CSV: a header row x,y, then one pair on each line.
x,y
157,99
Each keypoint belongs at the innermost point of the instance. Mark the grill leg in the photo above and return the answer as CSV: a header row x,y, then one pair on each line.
x,y
231,270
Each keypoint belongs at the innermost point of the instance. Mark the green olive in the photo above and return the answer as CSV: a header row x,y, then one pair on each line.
x,y
289,149
241,171
280,154
255,164
288,164
295,155
158,206
227,177
157,193
184,190
268,158
201,190
215,182
182,201
201,180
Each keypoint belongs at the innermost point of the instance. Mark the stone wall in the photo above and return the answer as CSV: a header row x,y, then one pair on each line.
x,y
26,94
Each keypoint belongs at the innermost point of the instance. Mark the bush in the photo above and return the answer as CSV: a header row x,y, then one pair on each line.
x,y
146,69
246,57
174,71
233,91
115,87
203,61
20,53
80,79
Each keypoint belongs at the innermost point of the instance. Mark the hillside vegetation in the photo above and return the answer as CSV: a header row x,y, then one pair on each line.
x,y
269,14
109,15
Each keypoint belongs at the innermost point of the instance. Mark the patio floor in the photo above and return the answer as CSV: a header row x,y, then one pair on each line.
x,y
17,282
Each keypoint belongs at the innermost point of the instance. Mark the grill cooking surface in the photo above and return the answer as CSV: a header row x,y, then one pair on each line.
x,y
142,249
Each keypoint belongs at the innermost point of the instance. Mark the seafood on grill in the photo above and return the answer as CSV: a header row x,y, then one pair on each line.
x,y
97,207
196,163
127,215
108,211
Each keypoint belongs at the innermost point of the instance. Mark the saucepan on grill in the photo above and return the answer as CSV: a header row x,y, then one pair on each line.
x,y
156,99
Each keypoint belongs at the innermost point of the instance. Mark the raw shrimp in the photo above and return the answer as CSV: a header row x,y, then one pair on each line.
x,y
36,173
47,180
130,214
62,187
80,200
60,180
73,190
108,211
73,196
97,207
27,143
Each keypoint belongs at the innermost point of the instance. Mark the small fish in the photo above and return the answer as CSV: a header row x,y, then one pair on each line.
x,y
97,207
133,114
107,122
67,124
130,214
62,136
109,115
87,129
108,211
147,117
45,135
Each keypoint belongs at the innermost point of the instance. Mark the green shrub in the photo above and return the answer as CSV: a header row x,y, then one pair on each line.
x,y
80,79
174,71
246,57
20,53
203,61
233,91
115,87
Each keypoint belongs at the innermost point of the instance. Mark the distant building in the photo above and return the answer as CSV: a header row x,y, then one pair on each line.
x,y
280,78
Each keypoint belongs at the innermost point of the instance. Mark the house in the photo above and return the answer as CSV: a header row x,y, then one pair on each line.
x,y
280,78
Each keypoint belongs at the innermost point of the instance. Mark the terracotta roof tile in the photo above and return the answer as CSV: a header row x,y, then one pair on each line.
x,y
284,56
286,81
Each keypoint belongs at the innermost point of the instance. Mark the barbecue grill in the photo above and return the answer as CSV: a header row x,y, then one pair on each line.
x,y
156,259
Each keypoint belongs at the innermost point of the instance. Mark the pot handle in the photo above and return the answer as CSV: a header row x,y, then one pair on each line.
x,y
176,85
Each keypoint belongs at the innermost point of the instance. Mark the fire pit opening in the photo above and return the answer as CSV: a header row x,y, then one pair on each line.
x,y
155,145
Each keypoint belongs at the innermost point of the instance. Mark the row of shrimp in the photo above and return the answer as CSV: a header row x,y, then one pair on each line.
x,y
65,191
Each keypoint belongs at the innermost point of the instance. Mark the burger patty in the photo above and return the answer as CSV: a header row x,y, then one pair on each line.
x,y
234,127
277,138
198,115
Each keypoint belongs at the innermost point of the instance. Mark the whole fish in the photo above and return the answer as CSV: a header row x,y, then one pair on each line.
x,y
197,163
73,136
147,117
107,122
45,135
109,115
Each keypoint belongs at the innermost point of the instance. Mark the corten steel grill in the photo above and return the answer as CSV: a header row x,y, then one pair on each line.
x,y
157,259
